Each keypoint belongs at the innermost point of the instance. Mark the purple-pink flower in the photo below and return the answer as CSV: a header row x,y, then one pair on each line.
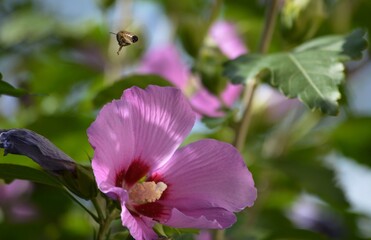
x,y
14,201
166,62
137,161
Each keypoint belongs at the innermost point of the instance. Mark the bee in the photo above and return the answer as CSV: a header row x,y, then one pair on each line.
x,y
125,38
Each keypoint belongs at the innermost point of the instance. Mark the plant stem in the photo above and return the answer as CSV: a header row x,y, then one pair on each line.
x,y
246,118
81,205
270,22
265,40
111,214
104,225
97,207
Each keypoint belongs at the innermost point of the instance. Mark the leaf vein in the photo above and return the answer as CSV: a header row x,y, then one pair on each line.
x,y
306,76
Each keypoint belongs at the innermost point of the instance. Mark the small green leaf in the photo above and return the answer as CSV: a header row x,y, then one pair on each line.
x,y
7,89
312,73
13,171
353,138
115,90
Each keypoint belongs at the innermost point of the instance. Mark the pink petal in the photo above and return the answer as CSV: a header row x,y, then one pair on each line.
x,y
15,190
112,137
231,94
212,218
140,227
208,174
206,104
226,37
204,235
144,124
166,62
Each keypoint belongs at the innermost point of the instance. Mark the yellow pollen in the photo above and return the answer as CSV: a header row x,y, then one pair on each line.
x,y
146,192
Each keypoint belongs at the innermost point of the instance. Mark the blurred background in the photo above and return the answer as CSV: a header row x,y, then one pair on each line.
x,y
312,172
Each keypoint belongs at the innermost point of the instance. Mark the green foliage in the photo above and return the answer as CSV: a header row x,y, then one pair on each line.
x,y
115,90
209,67
73,67
353,138
312,73
11,172
301,165
300,20
7,89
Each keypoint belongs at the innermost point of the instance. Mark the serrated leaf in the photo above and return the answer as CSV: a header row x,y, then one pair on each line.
x,y
351,45
311,73
311,76
7,89
115,90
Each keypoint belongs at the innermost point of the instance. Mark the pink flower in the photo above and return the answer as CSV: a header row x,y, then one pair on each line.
x,y
136,161
14,201
166,62
225,36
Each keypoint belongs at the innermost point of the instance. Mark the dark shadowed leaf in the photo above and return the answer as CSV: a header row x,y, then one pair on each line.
x,y
12,171
7,89
115,90
353,139
311,73
305,170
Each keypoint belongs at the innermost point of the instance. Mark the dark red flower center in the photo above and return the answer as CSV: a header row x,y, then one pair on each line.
x,y
144,191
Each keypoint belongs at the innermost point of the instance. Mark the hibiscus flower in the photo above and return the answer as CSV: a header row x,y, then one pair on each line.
x,y
137,162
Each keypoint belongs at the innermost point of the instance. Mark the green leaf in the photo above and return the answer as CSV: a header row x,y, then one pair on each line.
x,y
311,76
13,31
300,20
353,138
351,45
115,90
13,171
278,226
312,73
304,169
7,89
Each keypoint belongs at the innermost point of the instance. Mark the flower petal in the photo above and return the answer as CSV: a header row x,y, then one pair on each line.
x,y
162,119
226,37
166,62
140,227
206,104
112,138
215,218
145,126
231,94
208,171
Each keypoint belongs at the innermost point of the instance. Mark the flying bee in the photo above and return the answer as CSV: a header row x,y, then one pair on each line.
x,y
125,38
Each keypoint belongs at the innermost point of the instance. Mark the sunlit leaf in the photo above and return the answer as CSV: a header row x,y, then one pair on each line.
x,y
115,90
350,45
300,20
14,30
313,75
